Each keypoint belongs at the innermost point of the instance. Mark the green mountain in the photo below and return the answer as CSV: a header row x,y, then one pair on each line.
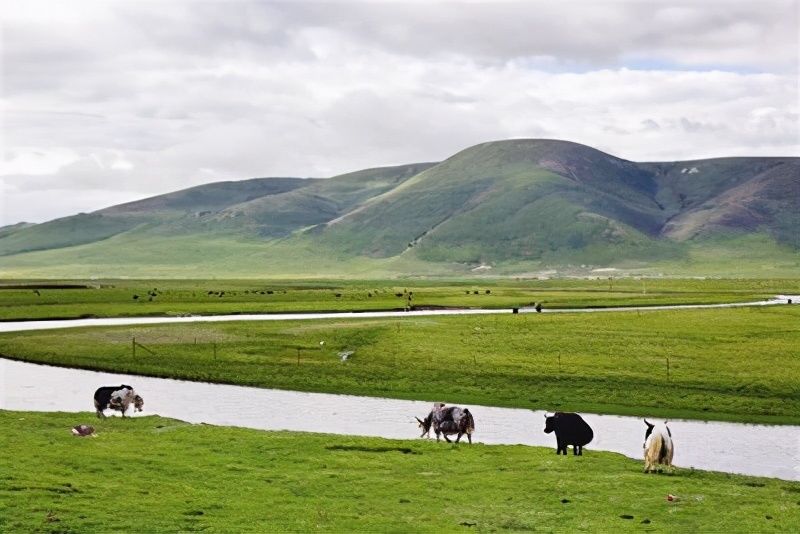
x,y
513,206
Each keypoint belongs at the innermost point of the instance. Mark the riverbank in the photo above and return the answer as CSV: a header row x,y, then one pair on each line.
x,y
156,474
73,299
731,364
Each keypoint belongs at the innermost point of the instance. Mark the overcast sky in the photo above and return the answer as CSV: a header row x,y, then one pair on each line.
x,y
105,102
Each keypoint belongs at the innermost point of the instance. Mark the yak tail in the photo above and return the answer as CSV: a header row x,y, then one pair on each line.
x,y
470,421
662,454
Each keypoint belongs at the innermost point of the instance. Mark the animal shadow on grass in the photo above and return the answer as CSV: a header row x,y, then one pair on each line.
x,y
360,448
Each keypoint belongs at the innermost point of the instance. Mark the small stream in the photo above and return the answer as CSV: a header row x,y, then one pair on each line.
x,y
762,450
22,326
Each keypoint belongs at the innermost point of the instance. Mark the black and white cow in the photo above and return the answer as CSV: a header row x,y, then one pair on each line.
x,y
117,398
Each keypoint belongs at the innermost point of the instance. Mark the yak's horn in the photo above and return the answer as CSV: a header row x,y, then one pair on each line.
x,y
648,423
419,421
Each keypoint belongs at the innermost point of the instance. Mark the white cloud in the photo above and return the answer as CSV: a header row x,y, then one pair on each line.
x,y
35,160
135,98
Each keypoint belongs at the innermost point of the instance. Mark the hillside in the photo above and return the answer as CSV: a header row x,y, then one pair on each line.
x,y
514,206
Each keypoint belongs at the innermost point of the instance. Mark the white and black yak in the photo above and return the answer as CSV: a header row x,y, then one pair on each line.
x,y
448,421
658,447
117,398
570,429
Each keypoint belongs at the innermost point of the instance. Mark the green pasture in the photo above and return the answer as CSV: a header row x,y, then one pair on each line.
x,y
724,364
151,474
37,299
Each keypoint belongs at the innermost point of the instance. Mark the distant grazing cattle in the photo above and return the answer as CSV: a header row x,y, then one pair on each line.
x,y
117,398
570,429
448,421
658,447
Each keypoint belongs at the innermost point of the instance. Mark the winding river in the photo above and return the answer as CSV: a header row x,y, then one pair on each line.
x,y
762,450
19,326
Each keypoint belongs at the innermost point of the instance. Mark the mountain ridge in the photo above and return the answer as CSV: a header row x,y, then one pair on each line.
x,y
496,203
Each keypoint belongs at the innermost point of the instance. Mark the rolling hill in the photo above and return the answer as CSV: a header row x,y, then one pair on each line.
x,y
512,206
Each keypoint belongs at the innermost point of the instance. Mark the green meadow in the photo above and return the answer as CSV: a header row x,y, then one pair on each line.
x,y
38,299
161,475
737,364
156,474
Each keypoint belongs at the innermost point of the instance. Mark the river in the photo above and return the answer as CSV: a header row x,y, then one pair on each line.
x,y
763,450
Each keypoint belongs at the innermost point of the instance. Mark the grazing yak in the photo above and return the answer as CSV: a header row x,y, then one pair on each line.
x,y
117,398
570,429
658,448
448,421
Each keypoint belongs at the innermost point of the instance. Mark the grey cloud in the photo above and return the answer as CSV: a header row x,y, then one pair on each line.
x,y
650,125
691,126
589,33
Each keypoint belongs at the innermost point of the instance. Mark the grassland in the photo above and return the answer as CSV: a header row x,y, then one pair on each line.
x,y
153,474
724,364
36,299
136,254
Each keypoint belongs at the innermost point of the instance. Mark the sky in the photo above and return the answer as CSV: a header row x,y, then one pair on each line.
x,y
112,101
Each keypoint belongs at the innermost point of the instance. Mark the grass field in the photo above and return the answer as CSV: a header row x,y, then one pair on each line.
x,y
109,298
724,364
154,474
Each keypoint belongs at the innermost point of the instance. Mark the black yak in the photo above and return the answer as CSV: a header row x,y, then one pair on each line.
x,y
570,429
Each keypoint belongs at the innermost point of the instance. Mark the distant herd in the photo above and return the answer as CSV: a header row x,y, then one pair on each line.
x,y
570,428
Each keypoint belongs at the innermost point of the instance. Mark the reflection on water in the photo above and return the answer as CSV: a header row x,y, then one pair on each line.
x,y
772,451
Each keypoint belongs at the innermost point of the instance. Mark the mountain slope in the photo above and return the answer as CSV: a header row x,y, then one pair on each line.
x,y
510,199
320,202
256,207
737,195
161,210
